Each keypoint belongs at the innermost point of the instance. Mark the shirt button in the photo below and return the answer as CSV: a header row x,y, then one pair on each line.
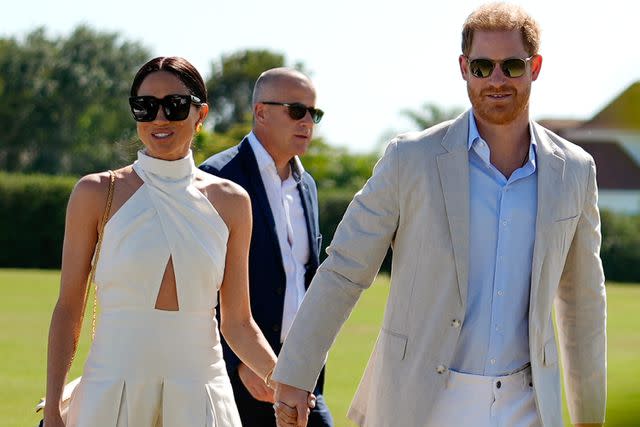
x,y
504,223
493,361
440,369
455,323
500,293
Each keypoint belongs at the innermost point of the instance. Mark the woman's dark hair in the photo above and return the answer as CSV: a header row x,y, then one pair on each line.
x,y
179,67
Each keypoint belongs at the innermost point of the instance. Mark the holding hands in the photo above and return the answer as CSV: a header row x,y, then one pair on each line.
x,y
292,406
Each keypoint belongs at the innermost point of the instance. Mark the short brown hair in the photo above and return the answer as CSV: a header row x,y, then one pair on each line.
x,y
502,17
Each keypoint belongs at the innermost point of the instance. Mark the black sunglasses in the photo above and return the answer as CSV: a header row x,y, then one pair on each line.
x,y
298,110
174,107
512,67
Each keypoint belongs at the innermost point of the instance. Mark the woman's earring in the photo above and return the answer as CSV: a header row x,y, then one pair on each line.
x,y
198,127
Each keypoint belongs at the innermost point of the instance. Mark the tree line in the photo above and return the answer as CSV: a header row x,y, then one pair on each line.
x,y
64,113
64,110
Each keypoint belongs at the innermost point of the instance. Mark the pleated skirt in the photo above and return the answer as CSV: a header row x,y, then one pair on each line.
x,y
149,368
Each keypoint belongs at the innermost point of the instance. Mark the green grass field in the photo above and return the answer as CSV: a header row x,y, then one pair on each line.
x,y
27,298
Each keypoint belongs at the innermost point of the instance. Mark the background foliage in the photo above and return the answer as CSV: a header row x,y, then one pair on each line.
x,y
620,250
64,101
64,112
32,212
231,85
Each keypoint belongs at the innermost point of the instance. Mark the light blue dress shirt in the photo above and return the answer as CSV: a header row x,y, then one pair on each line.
x,y
494,338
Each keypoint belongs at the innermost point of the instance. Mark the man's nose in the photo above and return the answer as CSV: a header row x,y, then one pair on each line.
x,y
497,76
307,120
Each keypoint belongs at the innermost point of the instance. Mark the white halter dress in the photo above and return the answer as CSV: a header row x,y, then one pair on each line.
x,y
150,367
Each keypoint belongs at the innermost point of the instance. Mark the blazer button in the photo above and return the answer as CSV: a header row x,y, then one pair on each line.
x,y
440,369
276,328
455,323
279,291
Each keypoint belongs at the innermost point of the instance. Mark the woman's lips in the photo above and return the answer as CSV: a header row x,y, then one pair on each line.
x,y
161,134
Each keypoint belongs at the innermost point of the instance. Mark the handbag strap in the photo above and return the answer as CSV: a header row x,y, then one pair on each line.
x,y
92,274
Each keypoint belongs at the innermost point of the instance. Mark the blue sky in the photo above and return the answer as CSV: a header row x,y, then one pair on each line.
x,y
369,60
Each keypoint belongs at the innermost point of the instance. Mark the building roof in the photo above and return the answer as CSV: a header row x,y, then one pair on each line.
x,y
623,113
616,170
560,125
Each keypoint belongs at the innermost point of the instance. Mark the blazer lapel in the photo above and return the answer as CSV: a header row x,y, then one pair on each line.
x,y
550,171
258,193
307,206
453,167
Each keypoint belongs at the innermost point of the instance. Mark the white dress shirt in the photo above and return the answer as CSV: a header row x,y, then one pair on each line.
x,y
291,227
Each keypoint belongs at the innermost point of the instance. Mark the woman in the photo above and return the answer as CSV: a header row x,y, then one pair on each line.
x,y
174,237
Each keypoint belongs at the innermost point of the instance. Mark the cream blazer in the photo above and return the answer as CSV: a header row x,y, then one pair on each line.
x,y
417,202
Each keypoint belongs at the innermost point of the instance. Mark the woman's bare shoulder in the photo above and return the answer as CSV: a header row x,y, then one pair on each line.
x,y
91,187
92,190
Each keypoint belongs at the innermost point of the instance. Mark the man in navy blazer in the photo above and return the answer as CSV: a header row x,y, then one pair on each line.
x,y
285,242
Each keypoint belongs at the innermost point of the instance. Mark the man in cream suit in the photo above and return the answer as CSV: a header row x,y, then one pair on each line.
x,y
492,219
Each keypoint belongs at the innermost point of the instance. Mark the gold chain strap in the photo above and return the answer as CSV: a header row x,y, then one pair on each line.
x,y
92,274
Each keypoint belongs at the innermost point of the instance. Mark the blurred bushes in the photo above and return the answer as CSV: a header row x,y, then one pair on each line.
x,y
32,215
620,250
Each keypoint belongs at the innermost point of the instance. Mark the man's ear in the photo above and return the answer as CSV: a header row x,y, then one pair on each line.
x,y
464,69
259,112
536,66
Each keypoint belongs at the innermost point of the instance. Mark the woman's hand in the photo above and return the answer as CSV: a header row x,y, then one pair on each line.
x,y
255,385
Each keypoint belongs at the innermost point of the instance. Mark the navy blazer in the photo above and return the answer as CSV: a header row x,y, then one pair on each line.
x,y
267,278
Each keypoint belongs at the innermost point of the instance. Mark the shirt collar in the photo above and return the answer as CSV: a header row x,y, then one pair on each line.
x,y
266,163
475,138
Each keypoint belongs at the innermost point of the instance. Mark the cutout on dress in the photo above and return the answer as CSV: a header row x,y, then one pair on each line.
x,y
167,298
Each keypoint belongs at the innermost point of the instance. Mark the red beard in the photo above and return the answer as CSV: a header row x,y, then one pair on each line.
x,y
499,111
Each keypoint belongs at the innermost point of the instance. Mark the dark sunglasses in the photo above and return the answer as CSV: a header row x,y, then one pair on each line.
x,y
298,110
174,107
512,67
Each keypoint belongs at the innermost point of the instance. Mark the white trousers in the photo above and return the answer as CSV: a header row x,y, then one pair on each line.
x,y
479,401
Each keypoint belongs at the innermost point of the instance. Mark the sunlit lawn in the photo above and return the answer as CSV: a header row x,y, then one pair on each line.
x,y
27,298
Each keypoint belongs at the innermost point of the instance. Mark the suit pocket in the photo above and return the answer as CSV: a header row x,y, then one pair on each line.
x,y
563,230
394,345
567,218
550,353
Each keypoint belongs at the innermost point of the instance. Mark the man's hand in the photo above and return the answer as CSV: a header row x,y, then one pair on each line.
x,y
292,406
255,384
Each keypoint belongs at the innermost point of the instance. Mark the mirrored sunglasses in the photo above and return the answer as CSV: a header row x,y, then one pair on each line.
x,y
297,110
512,67
174,107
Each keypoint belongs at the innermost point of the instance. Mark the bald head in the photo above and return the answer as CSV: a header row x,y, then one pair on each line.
x,y
273,83
278,97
